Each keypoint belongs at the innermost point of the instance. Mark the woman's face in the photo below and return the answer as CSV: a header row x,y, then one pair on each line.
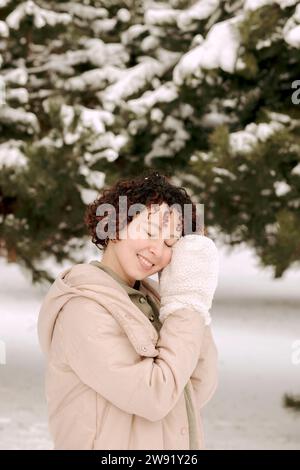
x,y
145,245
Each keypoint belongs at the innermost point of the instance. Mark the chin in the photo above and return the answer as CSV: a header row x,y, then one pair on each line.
x,y
140,277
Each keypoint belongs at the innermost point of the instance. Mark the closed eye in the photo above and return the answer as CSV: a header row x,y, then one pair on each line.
x,y
169,246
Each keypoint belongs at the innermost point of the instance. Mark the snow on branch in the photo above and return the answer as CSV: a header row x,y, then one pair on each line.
x,y
20,117
219,49
131,81
11,154
255,4
163,15
244,141
291,30
41,17
163,94
84,12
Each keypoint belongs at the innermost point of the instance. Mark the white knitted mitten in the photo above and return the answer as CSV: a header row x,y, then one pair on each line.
x,y
191,277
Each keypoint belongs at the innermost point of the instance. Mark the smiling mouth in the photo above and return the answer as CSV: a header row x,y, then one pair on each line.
x,y
144,263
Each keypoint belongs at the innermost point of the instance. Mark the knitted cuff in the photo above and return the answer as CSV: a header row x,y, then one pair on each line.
x,y
171,307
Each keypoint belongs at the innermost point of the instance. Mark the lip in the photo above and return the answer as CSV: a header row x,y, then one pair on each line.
x,y
146,268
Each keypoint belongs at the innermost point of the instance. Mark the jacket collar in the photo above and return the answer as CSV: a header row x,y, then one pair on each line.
x,y
88,281
129,289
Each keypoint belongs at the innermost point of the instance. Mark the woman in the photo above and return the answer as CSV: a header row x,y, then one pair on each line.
x,y
130,363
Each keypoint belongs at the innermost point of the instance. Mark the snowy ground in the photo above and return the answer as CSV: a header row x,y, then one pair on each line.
x,y
255,322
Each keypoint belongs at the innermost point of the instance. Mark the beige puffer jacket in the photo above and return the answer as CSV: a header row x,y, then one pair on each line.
x,y
111,381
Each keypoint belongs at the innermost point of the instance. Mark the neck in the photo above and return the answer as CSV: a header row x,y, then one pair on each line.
x,y
110,260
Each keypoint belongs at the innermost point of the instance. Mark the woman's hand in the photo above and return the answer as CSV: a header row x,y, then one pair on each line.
x,y
191,277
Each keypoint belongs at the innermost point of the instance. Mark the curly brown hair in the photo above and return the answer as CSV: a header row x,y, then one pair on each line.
x,y
149,188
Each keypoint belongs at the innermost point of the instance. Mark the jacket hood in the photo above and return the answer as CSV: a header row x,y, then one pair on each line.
x,y
88,281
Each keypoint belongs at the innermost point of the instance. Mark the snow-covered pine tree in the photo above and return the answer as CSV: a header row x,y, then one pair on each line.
x,y
94,88
250,172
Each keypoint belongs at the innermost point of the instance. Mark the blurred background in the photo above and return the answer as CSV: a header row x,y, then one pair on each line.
x,y
208,91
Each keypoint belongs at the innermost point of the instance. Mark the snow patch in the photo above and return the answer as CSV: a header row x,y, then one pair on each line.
x,y
296,170
255,4
219,49
163,94
131,82
41,17
244,141
291,30
11,155
163,15
281,188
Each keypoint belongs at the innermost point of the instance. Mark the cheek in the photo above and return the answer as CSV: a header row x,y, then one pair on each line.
x,y
166,258
125,249
138,245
